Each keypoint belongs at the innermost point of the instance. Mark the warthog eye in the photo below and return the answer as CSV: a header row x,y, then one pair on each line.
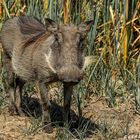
x,y
81,43
58,37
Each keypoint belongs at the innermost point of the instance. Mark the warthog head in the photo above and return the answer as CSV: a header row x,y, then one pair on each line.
x,y
67,52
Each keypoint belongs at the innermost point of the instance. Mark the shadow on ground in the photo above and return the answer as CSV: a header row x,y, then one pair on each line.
x,y
85,126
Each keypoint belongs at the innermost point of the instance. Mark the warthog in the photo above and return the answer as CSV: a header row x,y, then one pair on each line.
x,y
43,53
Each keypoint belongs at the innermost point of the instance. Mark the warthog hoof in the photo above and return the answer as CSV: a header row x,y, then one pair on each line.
x,y
48,129
13,110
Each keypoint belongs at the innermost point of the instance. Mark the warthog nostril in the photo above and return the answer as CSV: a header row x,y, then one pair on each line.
x,y
66,79
71,80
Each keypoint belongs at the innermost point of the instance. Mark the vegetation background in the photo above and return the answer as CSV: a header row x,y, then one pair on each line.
x,y
112,47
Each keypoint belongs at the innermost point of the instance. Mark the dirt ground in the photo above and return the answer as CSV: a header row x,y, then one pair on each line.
x,y
109,122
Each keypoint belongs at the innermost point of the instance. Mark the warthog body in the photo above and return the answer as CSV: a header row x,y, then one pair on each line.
x,y
43,53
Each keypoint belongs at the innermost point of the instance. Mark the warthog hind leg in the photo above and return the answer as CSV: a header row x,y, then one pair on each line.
x,y
15,93
14,89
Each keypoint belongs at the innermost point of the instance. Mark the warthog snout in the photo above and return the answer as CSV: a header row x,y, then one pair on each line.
x,y
70,74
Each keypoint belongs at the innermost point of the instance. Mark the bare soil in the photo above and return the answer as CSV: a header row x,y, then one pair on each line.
x,y
103,123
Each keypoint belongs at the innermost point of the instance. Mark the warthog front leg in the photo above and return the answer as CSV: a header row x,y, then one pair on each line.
x,y
68,90
45,103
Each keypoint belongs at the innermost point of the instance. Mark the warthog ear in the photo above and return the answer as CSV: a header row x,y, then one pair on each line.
x,y
85,27
51,25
